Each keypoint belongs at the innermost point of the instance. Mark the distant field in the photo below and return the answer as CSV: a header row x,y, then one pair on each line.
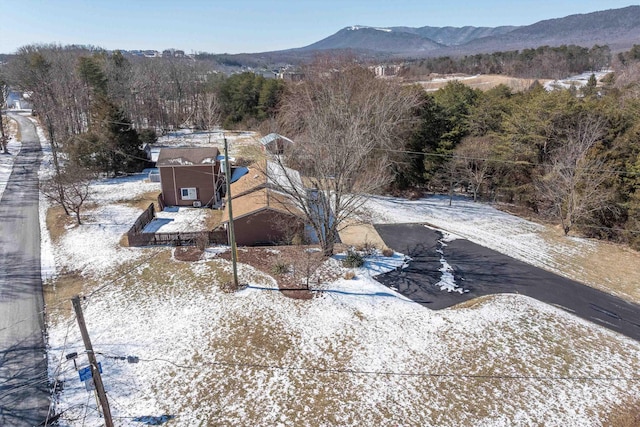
x,y
481,81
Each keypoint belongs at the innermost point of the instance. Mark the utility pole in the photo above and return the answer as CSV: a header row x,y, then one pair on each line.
x,y
232,234
95,370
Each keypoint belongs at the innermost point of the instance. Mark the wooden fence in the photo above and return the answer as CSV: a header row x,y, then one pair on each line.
x,y
177,239
138,238
145,218
161,205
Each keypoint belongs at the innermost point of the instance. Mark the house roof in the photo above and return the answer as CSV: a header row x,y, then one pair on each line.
x,y
259,200
272,137
257,190
266,174
187,156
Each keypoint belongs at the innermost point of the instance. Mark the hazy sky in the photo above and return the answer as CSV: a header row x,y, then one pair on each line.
x,y
219,26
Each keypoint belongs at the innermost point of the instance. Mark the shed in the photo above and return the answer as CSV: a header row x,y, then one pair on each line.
x,y
275,143
190,176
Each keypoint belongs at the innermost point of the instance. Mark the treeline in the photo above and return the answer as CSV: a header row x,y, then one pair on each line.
x,y
572,156
542,62
99,108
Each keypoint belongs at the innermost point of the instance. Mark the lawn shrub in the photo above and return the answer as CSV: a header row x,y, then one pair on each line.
x,y
353,259
280,268
367,248
388,252
349,275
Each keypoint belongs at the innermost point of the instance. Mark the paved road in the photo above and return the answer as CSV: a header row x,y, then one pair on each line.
x,y
482,271
24,395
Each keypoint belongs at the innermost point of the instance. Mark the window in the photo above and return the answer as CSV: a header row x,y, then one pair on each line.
x,y
189,193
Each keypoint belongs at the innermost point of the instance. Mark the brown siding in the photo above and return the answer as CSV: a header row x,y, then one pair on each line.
x,y
264,227
196,176
166,181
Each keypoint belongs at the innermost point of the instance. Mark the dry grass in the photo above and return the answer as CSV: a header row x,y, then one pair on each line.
x,y
248,154
11,128
144,200
187,253
606,266
57,222
624,414
358,235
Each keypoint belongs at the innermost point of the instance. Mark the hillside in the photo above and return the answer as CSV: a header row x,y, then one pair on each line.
x,y
375,39
618,28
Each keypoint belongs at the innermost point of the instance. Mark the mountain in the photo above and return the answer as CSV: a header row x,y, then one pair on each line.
x,y
618,28
375,39
449,36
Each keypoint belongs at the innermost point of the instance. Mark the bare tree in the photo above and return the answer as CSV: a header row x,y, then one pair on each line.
x,y
208,113
345,124
472,158
70,189
575,182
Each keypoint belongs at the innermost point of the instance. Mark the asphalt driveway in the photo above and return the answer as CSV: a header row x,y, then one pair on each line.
x,y
481,271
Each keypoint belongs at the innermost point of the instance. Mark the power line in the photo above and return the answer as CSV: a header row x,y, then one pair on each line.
x,y
514,162
387,373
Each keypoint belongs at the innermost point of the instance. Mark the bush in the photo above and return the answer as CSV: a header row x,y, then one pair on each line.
x,y
280,268
353,259
367,249
349,275
388,252
202,241
147,136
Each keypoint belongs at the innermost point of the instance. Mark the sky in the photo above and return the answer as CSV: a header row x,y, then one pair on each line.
x,y
225,26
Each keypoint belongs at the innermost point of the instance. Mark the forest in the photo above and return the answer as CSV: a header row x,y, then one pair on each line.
x,y
571,157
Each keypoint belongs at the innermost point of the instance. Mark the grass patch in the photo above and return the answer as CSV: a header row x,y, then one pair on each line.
x,y
143,201
57,222
606,266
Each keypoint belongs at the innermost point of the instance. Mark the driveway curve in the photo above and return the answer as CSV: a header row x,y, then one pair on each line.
x,y
481,271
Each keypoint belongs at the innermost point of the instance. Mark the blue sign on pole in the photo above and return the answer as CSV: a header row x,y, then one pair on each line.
x,y
85,373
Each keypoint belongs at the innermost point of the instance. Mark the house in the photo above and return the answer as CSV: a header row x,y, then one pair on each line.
x,y
263,215
275,144
190,176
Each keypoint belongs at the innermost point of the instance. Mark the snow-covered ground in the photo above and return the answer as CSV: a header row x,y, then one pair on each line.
x,y
190,138
479,223
178,219
6,163
356,354
576,81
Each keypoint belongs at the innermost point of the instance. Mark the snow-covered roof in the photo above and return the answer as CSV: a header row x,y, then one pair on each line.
x,y
187,156
273,137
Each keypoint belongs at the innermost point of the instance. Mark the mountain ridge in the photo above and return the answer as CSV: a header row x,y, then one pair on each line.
x,y
618,28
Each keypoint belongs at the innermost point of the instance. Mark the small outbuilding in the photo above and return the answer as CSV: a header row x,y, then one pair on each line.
x,y
190,176
275,143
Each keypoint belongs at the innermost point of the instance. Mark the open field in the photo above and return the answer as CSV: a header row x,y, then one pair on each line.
x,y
480,81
